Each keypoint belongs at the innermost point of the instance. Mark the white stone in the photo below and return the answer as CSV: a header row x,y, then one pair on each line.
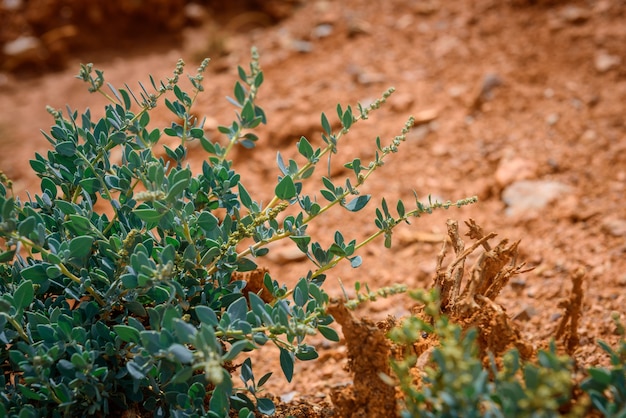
x,y
530,196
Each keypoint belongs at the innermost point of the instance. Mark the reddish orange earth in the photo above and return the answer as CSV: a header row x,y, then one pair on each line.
x,y
527,101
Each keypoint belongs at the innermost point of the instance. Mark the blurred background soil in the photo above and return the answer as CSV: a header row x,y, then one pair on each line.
x,y
527,101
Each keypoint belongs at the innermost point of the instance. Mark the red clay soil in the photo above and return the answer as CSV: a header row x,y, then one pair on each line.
x,y
527,101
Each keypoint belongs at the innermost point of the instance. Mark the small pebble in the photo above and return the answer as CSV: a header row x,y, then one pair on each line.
x,y
301,46
556,316
604,61
323,30
552,119
525,314
615,227
288,397
515,169
286,254
21,46
574,14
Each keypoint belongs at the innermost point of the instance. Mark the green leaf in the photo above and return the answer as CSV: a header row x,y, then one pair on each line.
x,y
209,255
247,113
330,196
181,353
38,166
183,375
400,209
301,292
27,226
185,331
388,240
245,264
151,341
305,148
385,208
196,133
7,256
79,224
206,315
328,333
264,379
78,361
328,184
49,187
24,295
339,111
286,189
357,203
236,348
196,391
242,74
326,125
238,309
265,406
208,222
176,189
531,376
134,370
306,352
36,273
308,172
127,333
126,98
302,242
256,304
258,80
29,394
91,185
355,166
240,93
356,261
286,363
81,246
347,118
219,403
207,145
149,215
66,148
244,196
600,375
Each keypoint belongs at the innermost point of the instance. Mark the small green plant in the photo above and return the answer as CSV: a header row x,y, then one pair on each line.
x,y
119,282
456,383
607,387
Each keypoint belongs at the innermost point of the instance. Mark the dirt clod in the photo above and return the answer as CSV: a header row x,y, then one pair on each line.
x,y
567,331
368,356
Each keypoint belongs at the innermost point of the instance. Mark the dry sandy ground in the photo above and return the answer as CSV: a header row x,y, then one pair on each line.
x,y
528,100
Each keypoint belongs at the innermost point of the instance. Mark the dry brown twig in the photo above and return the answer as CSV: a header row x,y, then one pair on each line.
x,y
572,307
473,304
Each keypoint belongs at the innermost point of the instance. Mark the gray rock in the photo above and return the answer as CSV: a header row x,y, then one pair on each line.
x,y
530,196
22,46
604,61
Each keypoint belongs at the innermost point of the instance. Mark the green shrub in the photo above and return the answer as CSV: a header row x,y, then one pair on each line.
x,y
455,382
607,387
120,283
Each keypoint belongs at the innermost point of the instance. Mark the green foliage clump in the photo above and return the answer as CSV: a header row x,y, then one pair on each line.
x,y
117,282
607,387
455,383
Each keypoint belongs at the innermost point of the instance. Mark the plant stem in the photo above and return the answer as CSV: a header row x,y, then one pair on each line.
x,y
17,327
